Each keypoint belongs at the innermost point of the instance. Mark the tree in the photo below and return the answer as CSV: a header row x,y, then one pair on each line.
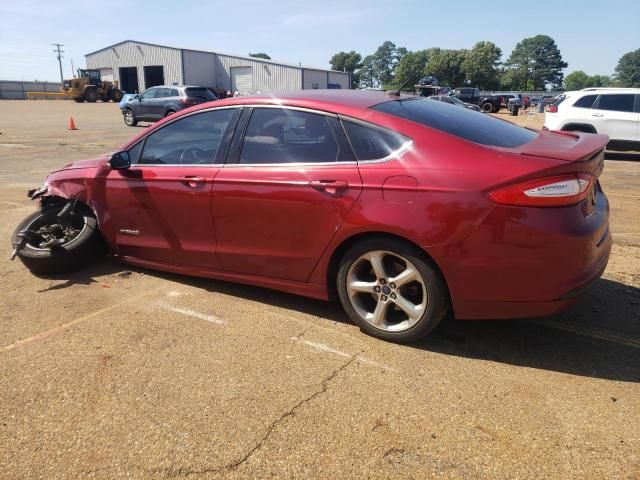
x,y
366,74
480,65
411,69
577,81
260,55
446,66
627,73
385,60
535,63
600,81
347,62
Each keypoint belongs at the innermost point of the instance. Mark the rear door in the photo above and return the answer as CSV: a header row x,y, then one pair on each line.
x,y
288,186
613,114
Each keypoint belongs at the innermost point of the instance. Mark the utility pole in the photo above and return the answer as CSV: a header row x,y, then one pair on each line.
x,y
59,53
73,70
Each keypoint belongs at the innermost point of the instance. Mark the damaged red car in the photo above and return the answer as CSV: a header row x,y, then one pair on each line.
x,y
403,208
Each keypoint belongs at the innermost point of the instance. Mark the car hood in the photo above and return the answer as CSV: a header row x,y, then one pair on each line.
x,y
89,163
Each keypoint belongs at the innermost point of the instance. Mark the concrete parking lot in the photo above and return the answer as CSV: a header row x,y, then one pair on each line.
x,y
116,372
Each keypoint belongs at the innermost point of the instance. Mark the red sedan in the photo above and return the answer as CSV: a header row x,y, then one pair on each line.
x,y
404,208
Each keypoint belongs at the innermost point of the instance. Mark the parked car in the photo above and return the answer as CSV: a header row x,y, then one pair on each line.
x,y
614,112
159,102
454,101
546,99
404,208
487,103
126,98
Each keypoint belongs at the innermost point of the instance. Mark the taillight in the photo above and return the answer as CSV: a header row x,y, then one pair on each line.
x,y
552,109
189,101
557,191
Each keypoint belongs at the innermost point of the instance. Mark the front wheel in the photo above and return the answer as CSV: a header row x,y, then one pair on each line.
x,y
487,107
55,242
130,118
391,290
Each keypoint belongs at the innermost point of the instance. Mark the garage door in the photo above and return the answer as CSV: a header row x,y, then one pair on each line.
x,y
241,79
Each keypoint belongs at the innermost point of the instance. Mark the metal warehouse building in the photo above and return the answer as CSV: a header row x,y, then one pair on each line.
x,y
139,65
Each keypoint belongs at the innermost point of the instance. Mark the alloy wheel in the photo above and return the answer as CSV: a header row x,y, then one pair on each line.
x,y
387,291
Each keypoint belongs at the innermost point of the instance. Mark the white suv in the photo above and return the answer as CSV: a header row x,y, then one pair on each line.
x,y
612,111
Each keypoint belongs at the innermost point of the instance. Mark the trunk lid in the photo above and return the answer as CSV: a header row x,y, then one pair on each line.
x,y
565,146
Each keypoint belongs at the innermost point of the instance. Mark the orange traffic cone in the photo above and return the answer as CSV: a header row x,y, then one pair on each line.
x,y
72,125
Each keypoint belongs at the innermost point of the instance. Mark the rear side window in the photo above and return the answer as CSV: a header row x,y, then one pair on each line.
x,y
461,122
276,135
200,93
618,103
586,101
371,143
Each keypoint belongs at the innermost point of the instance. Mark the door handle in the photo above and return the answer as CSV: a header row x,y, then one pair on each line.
x,y
332,187
597,114
193,181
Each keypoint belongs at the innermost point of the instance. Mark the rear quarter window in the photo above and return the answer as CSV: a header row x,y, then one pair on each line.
x,y
371,143
586,101
463,123
200,93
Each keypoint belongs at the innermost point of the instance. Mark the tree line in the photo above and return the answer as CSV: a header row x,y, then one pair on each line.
x,y
534,64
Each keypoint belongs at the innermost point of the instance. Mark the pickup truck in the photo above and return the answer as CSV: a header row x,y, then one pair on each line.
x,y
487,103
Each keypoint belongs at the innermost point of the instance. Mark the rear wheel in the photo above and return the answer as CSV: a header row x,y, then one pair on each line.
x,y
487,107
130,118
91,95
169,112
54,245
391,290
79,100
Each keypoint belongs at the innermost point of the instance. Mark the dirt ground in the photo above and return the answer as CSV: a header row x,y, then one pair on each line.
x,y
114,372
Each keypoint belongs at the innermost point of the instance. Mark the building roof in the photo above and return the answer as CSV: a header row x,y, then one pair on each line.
x,y
243,57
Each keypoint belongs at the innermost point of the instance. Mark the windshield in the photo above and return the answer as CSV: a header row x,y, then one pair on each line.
x,y
461,122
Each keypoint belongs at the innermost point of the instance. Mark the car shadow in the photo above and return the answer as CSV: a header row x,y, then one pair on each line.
x,y
599,337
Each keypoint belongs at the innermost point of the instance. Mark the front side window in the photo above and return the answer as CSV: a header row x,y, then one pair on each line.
x,y
190,140
370,143
618,103
586,101
280,135
151,93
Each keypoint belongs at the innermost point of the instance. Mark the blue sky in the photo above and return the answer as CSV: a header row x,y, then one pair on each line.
x,y
592,35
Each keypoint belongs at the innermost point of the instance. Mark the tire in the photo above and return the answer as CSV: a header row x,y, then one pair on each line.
x,y
107,97
426,286
169,112
487,107
79,100
116,95
496,109
129,117
91,95
69,256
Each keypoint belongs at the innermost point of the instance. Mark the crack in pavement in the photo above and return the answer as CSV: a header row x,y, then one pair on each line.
x,y
185,471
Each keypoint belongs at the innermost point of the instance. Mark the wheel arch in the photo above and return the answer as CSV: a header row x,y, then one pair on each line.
x,y
345,244
579,127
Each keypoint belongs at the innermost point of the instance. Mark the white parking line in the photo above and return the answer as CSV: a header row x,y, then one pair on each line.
x,y
193,313
321,347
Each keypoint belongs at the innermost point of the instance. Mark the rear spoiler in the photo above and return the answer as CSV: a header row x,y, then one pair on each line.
x,y
567,146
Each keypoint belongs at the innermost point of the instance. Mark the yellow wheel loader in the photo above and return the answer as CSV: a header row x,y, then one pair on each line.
x,y
88,86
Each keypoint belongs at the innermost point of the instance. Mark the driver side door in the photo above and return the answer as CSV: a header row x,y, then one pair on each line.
x,y
160,208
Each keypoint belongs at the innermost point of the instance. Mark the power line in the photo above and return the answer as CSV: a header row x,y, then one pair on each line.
x,y
59,53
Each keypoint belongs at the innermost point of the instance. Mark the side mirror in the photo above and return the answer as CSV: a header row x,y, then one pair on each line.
x,y
138,97
120,161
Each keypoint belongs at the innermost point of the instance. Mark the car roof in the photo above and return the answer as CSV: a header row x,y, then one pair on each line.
x,y
608,90
336,100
